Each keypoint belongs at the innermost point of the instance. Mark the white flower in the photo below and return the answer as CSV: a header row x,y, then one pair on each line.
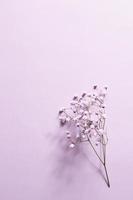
x,y
81,111
87,113
85,118
87,131
72,145
92,126
83,136
78,124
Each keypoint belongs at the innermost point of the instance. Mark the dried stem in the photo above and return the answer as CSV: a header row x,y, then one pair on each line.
x,y
103,162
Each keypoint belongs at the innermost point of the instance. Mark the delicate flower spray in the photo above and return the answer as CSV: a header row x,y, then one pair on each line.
x,y
87,115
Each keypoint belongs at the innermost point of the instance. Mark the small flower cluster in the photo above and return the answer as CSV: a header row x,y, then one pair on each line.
x,y
87,115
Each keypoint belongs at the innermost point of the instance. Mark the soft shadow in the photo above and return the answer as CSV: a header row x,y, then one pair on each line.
x,y
68,163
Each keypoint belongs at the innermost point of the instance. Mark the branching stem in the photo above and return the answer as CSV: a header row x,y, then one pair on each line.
x,y
103,162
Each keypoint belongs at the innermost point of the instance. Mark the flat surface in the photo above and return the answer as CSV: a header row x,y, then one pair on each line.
x,y
50,50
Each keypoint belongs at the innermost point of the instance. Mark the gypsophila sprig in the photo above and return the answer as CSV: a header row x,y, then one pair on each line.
x,y
87,113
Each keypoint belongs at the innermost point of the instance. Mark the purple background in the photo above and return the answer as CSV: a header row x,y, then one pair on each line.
x,y
50,50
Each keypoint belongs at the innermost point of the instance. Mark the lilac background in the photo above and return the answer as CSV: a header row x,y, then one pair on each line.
x,y
50,50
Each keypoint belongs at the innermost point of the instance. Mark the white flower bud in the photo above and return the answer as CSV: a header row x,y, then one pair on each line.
x,y
78,124
85,117
87,131
83,136
72,145
92,126
86,113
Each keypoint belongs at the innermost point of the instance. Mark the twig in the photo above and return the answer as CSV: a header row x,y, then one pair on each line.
x,y
103,162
